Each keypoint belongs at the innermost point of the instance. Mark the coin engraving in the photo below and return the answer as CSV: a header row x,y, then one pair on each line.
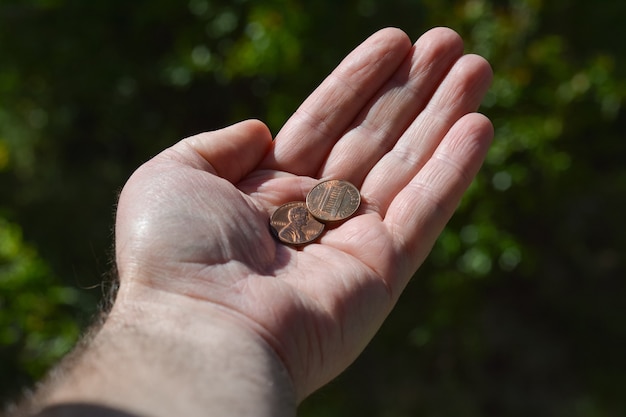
x,y
293,224
333,200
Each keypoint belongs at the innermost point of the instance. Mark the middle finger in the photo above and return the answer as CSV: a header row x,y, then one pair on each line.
x,y
391,111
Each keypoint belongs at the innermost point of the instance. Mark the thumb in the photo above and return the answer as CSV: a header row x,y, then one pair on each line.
x,y
233,151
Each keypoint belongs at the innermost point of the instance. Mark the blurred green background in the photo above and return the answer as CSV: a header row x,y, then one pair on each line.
x,y
521,308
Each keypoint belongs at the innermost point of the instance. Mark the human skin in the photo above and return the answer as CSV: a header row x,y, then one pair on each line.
x,y
216,317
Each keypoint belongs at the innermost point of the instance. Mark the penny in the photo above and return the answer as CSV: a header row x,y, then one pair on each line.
x,y
333,200
292,223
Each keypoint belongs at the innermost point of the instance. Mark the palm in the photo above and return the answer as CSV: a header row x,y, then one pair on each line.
x,y
392,120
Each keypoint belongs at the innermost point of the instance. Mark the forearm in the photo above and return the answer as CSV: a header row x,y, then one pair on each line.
x,y
163,361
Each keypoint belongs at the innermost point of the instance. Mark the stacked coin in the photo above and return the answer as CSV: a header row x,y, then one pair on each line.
x,y
298,223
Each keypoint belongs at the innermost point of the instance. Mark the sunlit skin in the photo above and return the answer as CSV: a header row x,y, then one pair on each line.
x,y
214,316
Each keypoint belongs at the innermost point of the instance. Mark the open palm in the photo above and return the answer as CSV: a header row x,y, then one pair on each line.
x,y
394,119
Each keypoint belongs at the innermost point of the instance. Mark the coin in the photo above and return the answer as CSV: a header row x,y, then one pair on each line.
x,y
293,224
333,200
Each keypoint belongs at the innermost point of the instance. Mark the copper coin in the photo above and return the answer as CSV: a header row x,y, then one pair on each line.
x,y
333,200
292,223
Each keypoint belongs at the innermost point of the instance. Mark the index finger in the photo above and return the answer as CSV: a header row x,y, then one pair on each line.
x,y
307,137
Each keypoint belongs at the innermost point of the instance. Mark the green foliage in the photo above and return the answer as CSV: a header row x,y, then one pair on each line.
x,y
519,309
37,326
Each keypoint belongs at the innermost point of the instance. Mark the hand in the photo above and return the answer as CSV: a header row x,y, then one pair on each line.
x,y
394,119
216,317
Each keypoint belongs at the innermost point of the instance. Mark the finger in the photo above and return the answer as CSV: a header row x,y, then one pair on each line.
x,y
308,136
231,152
419,212
458,94
394,107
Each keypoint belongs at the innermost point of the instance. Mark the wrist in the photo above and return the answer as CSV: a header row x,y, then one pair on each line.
x,y
177,356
